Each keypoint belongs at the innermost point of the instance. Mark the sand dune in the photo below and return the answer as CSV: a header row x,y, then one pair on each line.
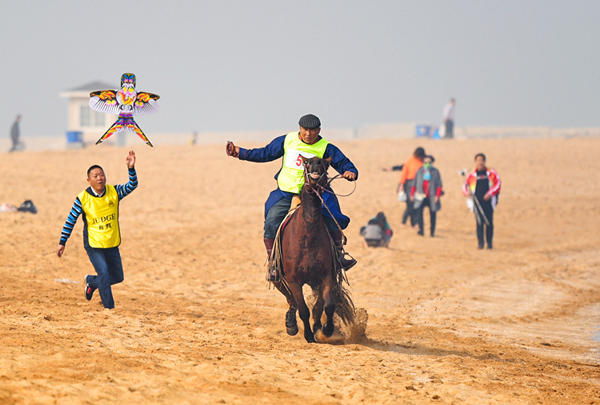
x,y
195,322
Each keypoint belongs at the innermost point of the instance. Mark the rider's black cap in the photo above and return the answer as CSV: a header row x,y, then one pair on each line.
x,y
310,122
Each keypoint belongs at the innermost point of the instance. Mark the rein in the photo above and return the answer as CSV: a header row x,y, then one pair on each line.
x,y
328,184
319,190
339,176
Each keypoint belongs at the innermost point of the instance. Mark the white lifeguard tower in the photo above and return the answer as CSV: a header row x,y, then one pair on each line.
x,y
86,125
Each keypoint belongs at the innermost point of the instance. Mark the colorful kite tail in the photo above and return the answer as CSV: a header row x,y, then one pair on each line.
x,y
116,127
133,126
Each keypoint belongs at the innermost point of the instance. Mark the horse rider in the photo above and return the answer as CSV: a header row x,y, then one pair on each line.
x,y
290,179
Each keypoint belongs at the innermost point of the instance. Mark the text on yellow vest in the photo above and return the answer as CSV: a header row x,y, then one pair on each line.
x,y
102,218
291,176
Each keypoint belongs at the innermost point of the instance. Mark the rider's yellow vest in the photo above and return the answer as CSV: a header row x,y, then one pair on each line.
x,y
291,176
102,218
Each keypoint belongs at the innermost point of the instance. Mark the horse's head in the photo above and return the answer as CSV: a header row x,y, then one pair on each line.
x,y
315,171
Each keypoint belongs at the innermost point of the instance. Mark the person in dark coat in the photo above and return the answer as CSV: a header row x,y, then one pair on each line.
x,y
426,192
15,133
290,180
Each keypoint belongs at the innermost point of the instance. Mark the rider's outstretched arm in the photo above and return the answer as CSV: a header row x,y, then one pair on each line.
x,y
272,151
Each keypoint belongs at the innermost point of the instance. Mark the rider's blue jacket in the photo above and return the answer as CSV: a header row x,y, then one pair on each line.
x,y
274,150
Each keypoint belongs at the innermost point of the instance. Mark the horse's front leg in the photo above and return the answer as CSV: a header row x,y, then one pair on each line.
x,y
303,311
328,296
291,324
318,311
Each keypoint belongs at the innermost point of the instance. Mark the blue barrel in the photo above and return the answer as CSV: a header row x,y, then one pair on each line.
x,y
423,130
74,137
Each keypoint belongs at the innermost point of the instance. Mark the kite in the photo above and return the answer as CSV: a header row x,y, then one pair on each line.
x,y
125,102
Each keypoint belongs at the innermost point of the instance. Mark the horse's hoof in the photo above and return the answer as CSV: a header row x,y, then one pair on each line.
x,y
310,338
291,324
328,330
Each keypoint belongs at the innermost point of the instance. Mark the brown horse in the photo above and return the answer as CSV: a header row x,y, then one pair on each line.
x,y
307,257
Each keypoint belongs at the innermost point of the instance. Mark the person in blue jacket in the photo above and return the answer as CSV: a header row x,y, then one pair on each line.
x,y
308,143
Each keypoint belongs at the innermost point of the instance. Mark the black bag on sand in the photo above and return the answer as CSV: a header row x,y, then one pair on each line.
x,y
27,206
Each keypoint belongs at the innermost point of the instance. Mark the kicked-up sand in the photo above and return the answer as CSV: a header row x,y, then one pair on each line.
x,y
196,323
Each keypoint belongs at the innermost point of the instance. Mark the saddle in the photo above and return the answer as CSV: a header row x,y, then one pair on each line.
x,y
276,259
293,208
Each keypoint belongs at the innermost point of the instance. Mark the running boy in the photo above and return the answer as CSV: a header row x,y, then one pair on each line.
x,y
101,235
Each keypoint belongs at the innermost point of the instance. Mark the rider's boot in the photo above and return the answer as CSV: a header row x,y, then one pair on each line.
x,y
338,238
272,270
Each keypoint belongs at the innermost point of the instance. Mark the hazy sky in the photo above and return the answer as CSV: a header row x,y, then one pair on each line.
x,y
259,65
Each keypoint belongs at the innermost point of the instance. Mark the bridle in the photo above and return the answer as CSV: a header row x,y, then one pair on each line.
x,y
318,188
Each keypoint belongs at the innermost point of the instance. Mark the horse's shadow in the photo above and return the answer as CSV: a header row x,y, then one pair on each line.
x,y
420,350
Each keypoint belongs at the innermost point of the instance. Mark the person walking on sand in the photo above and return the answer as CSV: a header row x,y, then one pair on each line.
x,y
99,204
15,133
426,192
407,180
483,184
290,179
449,119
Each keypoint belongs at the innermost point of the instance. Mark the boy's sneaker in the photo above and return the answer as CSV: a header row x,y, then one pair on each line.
x,y
89,291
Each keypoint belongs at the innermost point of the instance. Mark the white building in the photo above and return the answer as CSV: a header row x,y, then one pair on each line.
x,y
91,124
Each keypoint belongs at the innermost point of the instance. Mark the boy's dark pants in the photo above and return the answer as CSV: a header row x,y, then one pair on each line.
x,y
107,263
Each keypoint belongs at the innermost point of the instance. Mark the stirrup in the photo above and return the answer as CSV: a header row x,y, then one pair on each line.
x,y
346,263
272,275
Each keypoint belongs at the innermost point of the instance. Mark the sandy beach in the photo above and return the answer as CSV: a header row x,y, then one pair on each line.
x,y
196,323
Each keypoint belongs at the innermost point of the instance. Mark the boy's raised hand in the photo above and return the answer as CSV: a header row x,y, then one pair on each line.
x,y
130,159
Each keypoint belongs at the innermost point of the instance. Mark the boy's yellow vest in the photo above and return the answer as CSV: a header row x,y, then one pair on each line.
x,y
102,218
291,178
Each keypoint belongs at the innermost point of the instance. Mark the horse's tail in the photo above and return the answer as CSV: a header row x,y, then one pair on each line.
x,y
344,306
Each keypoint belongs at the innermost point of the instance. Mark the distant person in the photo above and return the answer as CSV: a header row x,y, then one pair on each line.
x,y
483,184
407,180
194,138
449,119
99,204
377,232
15,134
426,193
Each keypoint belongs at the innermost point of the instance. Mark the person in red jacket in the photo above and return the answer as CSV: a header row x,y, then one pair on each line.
x,y
483,184
407,180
